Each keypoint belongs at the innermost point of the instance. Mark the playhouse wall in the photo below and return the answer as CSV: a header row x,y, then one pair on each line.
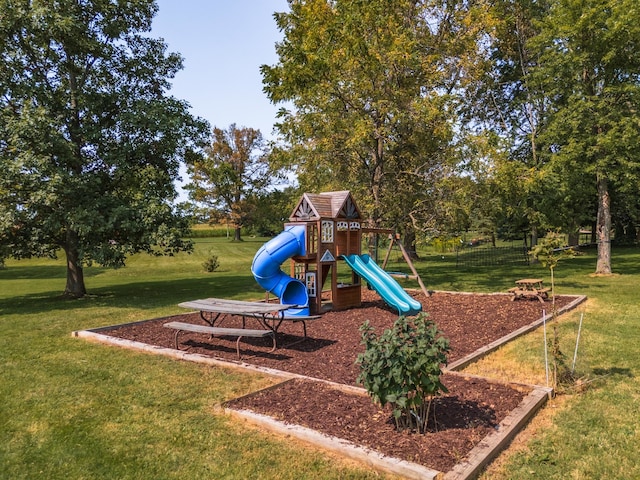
x,y
348,243
348,296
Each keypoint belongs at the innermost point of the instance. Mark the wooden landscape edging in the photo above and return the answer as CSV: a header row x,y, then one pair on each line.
x,y
409,470
95,335
484,351
491,445
476,460
479,457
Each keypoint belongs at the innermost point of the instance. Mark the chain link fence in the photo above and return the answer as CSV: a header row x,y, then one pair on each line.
x,y
487,256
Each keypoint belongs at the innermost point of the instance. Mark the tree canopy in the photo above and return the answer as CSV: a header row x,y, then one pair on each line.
x,y
233,175
590,73
560,89
515,115
368,88
90,141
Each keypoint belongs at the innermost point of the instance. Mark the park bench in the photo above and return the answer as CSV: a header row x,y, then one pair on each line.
x,y
219,331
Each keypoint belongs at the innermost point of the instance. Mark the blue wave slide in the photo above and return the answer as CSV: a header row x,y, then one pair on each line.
x,y
267,272
383,283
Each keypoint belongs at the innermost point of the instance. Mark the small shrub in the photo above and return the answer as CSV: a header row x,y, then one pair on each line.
x,y
211,264
549,251
402,368
444,244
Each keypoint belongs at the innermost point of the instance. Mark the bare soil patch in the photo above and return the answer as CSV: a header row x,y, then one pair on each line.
x,y
472,408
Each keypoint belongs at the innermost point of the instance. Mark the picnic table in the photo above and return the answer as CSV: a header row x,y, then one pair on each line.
x,y
213,310
530,288
270,315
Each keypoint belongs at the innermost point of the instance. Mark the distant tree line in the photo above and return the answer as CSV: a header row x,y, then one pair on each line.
x,y
512,116
509,117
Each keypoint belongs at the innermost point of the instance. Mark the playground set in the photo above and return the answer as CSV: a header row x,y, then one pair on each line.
x,y
324,229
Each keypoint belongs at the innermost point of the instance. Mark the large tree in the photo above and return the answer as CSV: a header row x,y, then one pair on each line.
x,y
561,90
503,102
90,142
589,71
233,175
367,88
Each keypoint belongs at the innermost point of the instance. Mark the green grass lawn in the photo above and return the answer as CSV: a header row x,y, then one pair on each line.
x,y
73,409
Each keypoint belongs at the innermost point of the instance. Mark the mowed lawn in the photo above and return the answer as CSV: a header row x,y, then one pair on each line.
x,y
73,409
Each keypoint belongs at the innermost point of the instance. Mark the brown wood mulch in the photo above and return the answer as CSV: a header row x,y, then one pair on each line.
x,y
464,416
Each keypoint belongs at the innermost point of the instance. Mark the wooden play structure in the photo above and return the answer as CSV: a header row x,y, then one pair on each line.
x,y
334,228
394,241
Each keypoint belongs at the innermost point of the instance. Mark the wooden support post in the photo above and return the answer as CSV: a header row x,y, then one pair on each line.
x,y
388,254
396,238
407,258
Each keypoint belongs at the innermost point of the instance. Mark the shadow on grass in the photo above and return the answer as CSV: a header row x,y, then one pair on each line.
x,y
443,274
439,271
40,272
614,371
139,295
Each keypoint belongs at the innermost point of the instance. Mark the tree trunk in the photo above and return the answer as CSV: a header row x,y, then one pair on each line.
x,y
534,236
237,234
410,243
75,275
603,227
534,242
375,186
574,238
377,175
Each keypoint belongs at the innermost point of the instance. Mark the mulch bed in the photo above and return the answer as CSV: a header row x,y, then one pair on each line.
x,y
472,408
460,419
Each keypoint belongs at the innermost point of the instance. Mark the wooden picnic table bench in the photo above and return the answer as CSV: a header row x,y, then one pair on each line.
x,y
530,288
273,322
219,331
270,315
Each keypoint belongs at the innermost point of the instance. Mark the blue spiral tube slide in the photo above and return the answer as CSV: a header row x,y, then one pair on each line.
x,y
267,272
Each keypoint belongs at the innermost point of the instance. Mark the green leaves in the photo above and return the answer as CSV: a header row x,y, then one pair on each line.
x,y
550,249
369,106
91,143
588,71
233,175
402,368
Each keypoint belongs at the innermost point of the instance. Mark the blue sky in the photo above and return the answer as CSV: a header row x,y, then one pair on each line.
x,y
223,43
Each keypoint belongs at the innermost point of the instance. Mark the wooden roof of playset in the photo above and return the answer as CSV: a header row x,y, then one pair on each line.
x,y
313,206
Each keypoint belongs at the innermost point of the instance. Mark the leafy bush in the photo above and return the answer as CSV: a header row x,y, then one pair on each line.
x,y
444,244
402,368
211,264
